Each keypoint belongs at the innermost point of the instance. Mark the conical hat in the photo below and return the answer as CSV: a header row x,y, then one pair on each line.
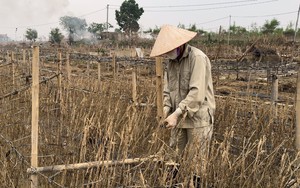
x,y
169,38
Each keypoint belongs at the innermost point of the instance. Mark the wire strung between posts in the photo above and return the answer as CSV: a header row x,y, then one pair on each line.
x,y
21,157
27,87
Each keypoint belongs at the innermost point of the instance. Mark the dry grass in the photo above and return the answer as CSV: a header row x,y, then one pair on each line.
x,y
250,148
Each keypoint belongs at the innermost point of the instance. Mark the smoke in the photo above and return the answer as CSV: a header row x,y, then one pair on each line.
x,y
22,14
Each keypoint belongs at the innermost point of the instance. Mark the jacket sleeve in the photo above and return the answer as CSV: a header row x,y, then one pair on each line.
x,y
166,95
197,86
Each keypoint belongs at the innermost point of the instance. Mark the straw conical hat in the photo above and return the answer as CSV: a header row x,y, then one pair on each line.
x,y
169,38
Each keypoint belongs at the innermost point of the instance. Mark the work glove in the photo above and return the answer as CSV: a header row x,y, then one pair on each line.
x,y
171,120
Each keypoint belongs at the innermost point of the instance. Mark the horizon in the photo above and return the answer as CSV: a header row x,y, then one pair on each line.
x,y
44,15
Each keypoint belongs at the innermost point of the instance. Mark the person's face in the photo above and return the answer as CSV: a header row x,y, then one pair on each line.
x,y
172,54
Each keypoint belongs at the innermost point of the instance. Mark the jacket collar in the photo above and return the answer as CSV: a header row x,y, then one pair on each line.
x,y
186,51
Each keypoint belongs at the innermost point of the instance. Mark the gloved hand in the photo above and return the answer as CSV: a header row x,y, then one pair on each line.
x,y
171,120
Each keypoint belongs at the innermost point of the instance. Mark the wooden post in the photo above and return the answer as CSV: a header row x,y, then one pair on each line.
x,y
274,94
134,93
29,63
35,115
298,112
99,75
59,80
269,76
159,87
60,98
7,57
13,68
78,166
114,65
24,57
88,69
68,70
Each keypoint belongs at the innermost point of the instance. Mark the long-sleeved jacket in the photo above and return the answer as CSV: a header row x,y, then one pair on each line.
x,y
188,86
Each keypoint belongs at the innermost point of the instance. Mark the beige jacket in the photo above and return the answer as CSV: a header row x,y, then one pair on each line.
x,y
188,86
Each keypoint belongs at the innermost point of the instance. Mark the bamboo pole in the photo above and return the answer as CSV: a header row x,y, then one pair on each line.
x,y
134,92
298,112
35,115
159,87
78,166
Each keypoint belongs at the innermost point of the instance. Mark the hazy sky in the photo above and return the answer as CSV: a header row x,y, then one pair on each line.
x,y
43,15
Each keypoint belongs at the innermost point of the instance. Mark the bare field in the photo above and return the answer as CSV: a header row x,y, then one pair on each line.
x,y
86,120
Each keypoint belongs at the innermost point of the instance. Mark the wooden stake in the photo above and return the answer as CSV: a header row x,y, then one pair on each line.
x,y
60,98
79,166
298,112
13,68
24,57
7,57
68,70
88,69
59,80
35,115
99,74
134,93
114,65
274,94
159,87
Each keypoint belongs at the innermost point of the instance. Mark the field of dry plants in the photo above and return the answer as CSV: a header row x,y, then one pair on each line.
x,y
85,117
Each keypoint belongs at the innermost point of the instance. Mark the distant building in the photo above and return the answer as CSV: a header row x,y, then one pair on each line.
x,y
4,38
112,36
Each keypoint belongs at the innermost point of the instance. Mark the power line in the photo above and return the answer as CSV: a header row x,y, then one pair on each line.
x,y
87,14
193,5
213,20
269,15
212,8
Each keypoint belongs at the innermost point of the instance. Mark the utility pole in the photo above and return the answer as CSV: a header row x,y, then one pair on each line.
x,y
16,34
229,29
107,17
296,27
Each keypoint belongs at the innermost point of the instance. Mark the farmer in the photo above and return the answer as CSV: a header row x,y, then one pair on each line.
x,y
189,103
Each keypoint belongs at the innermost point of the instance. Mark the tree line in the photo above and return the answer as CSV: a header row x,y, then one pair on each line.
x,y
127,18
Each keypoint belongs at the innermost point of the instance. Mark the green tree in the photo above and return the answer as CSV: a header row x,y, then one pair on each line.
x,y
195,29
237,29
289,30
74,26
128,16
97,28
55,36
153,32
270,26
254,28
182,26
31,34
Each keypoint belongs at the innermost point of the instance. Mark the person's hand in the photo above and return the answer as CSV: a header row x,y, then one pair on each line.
x,y
171,120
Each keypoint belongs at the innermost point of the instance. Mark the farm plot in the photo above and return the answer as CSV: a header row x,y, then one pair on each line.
x,y
89,117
